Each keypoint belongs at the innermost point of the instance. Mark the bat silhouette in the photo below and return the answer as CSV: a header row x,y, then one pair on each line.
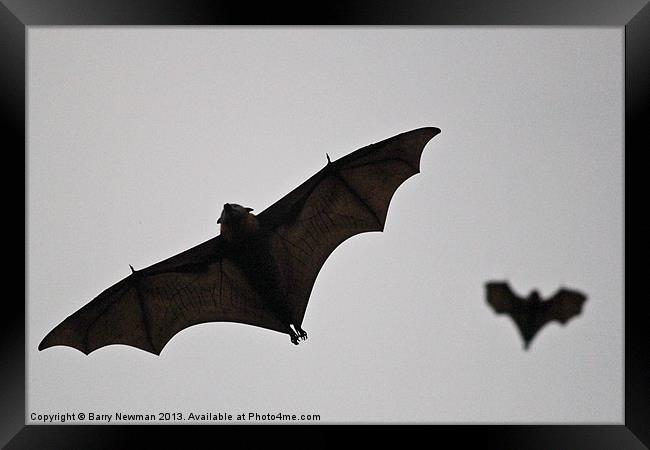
x,y
261,269
532,313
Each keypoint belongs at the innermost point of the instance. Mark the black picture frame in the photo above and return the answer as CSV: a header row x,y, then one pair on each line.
x,y
632,15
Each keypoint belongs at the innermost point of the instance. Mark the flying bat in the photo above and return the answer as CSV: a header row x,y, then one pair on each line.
x,y
260,269
532,313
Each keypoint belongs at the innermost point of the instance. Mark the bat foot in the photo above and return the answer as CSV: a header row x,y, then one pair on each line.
x,y
294,340
302,334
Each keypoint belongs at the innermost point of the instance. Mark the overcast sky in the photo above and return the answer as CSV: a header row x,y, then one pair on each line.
x,y
137,136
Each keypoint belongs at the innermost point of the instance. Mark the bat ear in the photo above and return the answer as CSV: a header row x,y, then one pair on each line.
x,y
219,220
249,209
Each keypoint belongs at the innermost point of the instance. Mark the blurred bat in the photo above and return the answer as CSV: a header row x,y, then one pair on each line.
x,y
532,313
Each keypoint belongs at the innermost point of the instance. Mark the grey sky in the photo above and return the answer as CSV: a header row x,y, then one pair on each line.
x,y
137,136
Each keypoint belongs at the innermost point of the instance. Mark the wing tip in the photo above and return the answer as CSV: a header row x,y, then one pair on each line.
x,y
65,335
45,344
433,130
581,295
427,133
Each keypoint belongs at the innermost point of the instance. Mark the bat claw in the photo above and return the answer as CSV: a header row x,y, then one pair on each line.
x,y
302,334
294,340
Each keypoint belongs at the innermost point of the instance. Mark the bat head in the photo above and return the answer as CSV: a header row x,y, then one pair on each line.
x,y
233,212
535,297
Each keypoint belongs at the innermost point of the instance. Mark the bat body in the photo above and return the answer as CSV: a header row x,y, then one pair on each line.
x,y
261,269
532,314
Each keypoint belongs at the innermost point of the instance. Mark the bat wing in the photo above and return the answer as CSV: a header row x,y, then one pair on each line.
x,y
348,196
501,298
147,308
564,305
